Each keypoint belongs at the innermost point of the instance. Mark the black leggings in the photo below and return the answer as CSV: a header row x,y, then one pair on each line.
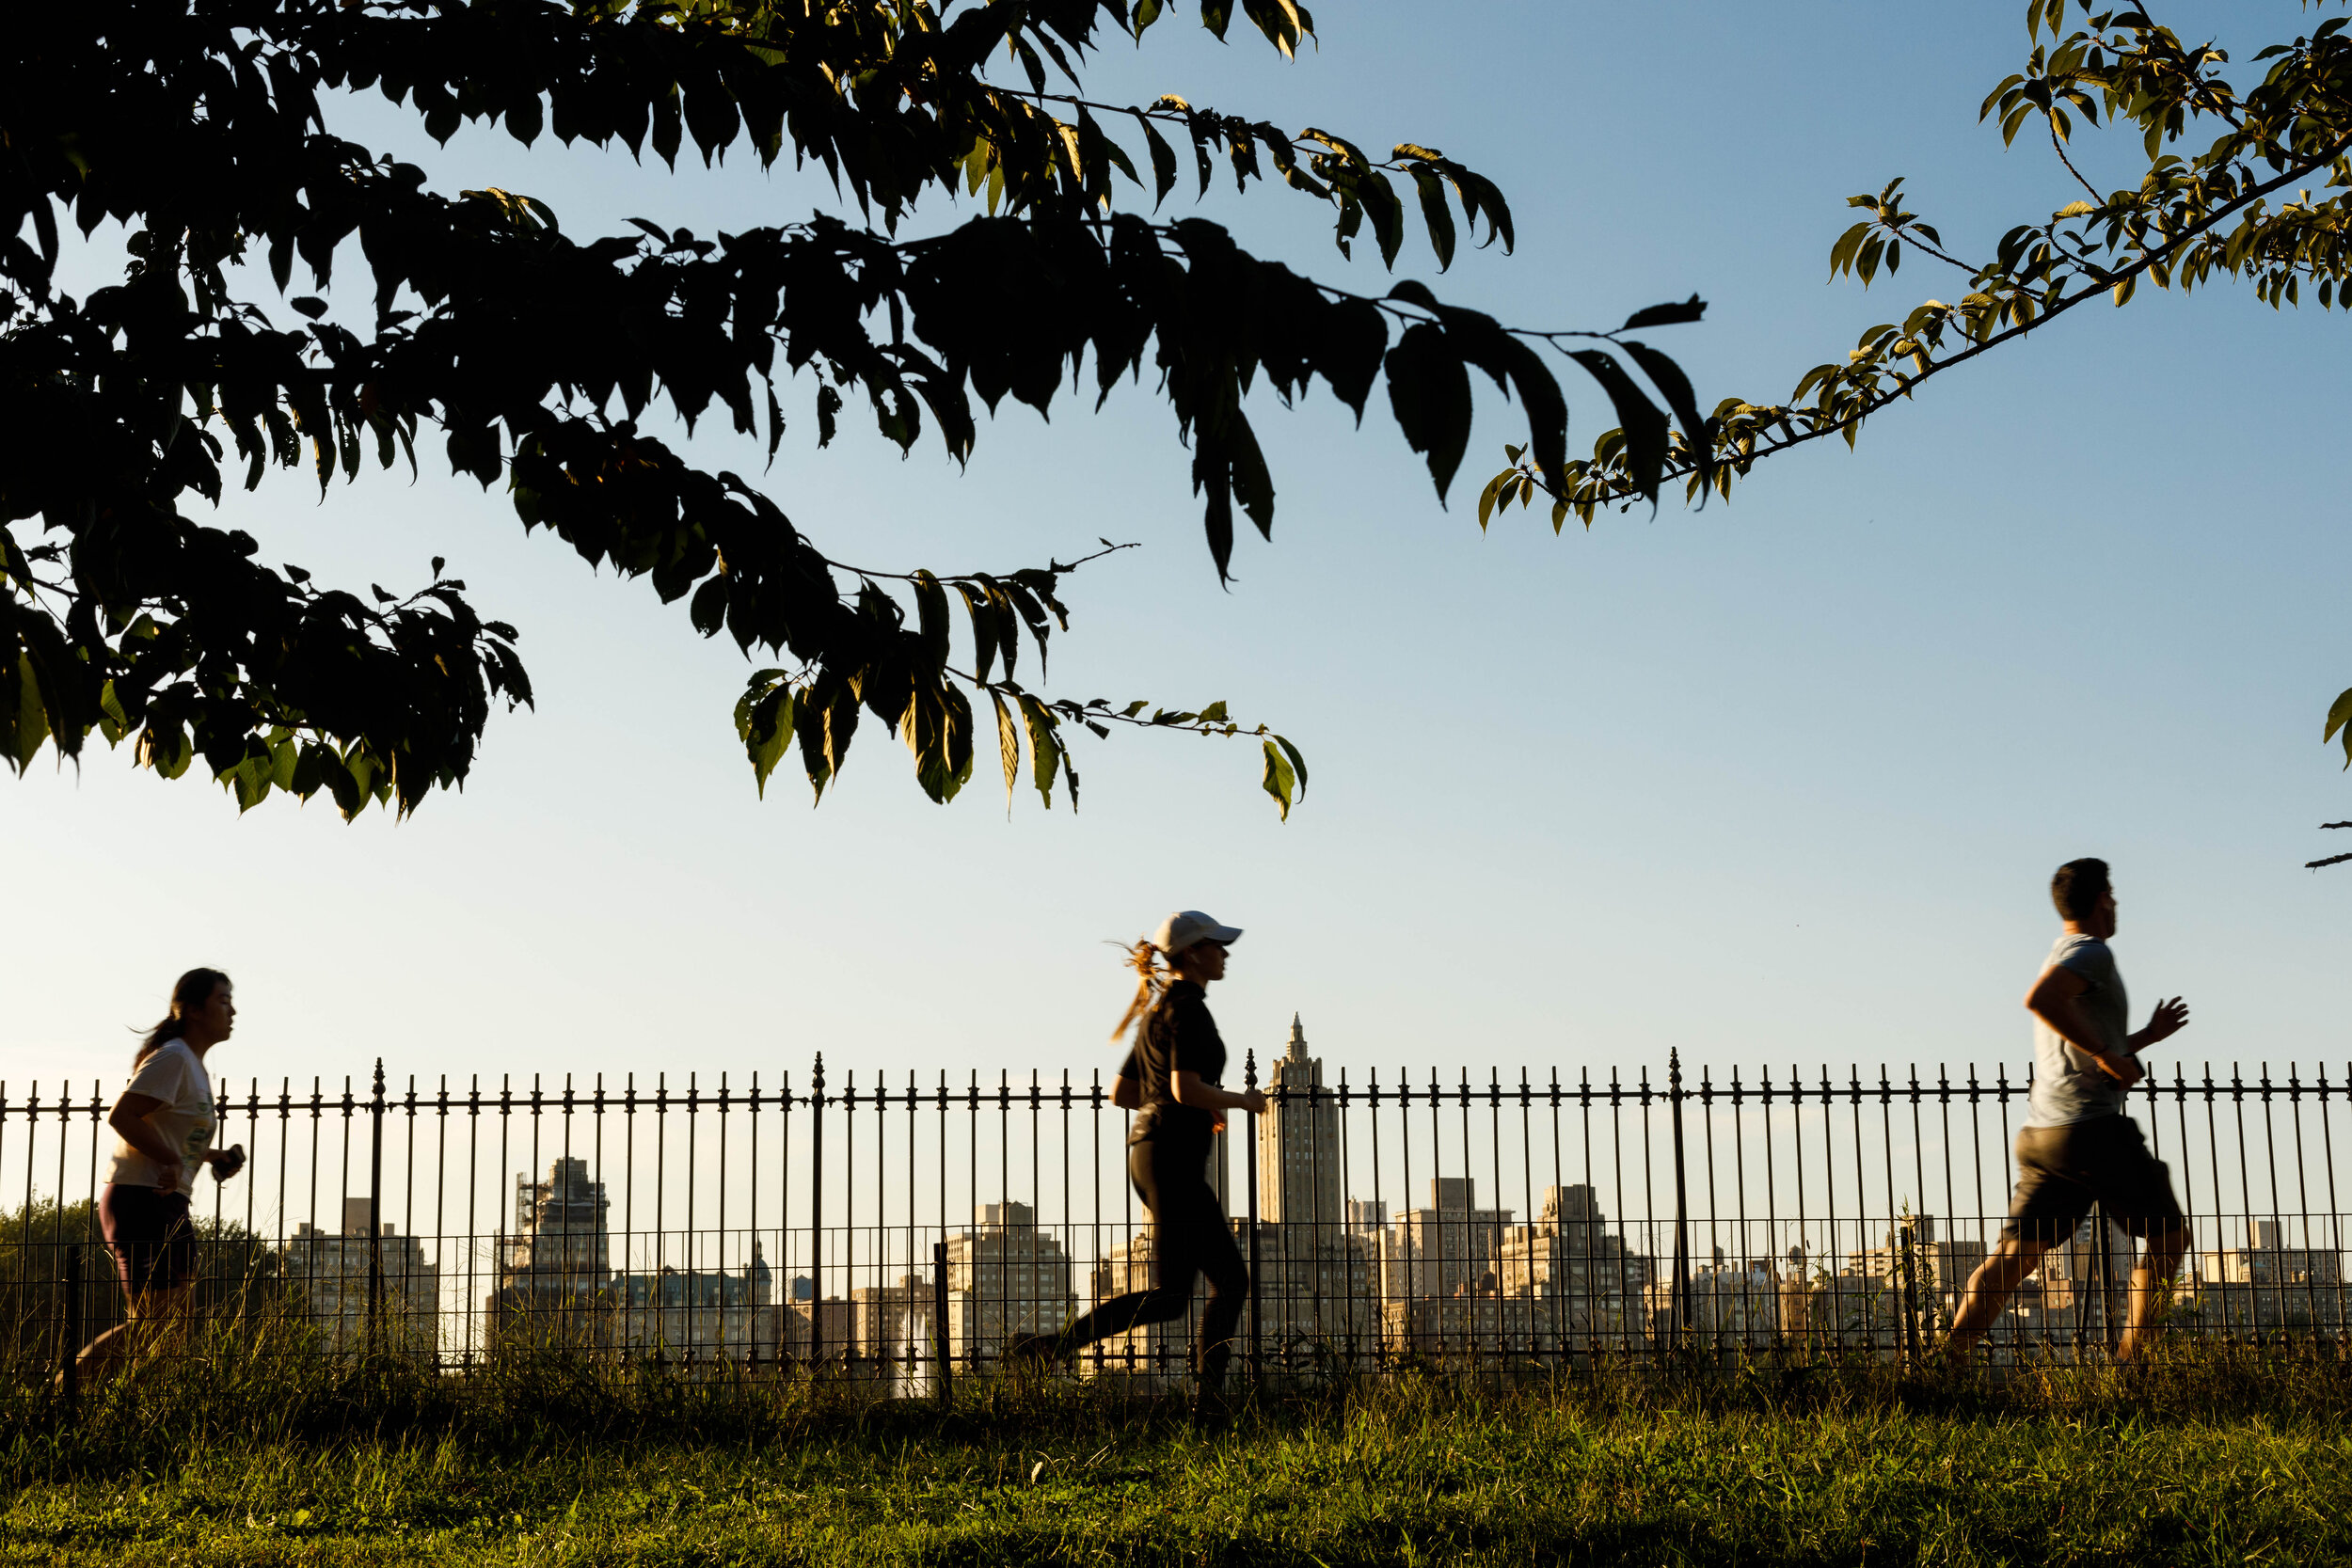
x,y
1189,1237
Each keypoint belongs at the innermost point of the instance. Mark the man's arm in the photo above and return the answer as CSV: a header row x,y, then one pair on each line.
x,y
2057,1001
2169,1020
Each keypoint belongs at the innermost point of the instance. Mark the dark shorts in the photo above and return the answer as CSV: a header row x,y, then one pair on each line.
x,y
151,1236
2061,1171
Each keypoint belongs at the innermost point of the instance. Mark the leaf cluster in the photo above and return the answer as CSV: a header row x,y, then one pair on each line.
x,y
2238,205
2190,220
201,127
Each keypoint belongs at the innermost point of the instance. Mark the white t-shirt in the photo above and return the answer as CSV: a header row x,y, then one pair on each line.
x,y
185,1120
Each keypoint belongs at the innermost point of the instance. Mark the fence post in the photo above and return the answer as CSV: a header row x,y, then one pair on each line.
x,y
1257,1336
816,1215
1682,1209
73,1368
2108,1328
1914,1345
940,1356
376,1212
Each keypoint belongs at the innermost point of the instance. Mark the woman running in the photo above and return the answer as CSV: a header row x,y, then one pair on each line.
x,y
165,1122
1169,1079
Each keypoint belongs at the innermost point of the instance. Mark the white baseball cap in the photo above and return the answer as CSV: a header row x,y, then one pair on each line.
x,y
1186,926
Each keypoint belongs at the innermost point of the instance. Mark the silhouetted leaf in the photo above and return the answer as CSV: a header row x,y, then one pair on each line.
x,y
1644,427
1429,393
1669,314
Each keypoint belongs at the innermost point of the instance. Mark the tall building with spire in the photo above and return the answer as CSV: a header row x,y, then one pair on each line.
x,y
1315,1294
1299,1177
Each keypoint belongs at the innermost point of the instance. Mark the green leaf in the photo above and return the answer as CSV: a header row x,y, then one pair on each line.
x,y
981,613
2340,719
1298,763
1387,214
927,728
112,720
708,609
959,741
1163,155
1491,494
1434,213
24,722
1045,752
825,722
1007,748
767,730
930,603
1281,777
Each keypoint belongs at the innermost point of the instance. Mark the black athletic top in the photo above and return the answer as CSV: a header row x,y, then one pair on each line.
x,y
1178,1035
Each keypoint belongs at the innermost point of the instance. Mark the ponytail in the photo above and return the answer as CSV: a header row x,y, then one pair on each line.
x,y
189,992
1151,978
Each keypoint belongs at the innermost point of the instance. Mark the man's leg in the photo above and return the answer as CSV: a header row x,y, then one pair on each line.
x,y
2151,1286
1988,1290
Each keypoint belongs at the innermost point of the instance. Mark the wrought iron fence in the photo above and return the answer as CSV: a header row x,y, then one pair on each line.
x,y
874,1225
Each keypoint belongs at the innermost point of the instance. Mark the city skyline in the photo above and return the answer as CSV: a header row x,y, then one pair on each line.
x,y
1447,1275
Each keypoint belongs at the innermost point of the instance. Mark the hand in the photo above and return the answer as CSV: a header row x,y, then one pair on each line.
x,y
1254,1101
170,1177
226,1163
2168,1019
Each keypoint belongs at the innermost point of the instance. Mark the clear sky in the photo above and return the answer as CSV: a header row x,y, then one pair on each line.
x,y
1778,781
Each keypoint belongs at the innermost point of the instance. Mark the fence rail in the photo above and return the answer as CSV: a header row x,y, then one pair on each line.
x,y
881,1228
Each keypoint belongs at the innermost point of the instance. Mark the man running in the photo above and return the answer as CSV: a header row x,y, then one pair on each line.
x,y
2078,1146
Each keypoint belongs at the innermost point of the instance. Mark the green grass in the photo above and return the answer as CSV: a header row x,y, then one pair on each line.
x,y
2229,1462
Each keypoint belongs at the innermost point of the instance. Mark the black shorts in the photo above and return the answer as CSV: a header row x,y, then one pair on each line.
x,y
151,1236
2061,1171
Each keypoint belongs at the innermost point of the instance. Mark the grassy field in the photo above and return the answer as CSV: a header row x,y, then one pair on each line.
x,y
2243,1464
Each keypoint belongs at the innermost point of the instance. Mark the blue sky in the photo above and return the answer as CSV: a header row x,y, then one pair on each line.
x,y
1778,781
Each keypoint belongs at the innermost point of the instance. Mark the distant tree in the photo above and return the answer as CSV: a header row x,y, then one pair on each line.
x,y
202,125
2241,207
236,1272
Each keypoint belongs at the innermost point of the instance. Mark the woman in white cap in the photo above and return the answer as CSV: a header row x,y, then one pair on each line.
x,y
1169,1079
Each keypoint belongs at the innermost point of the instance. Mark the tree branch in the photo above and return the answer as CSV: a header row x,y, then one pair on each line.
x,y
2303,168
1050,565
2059,147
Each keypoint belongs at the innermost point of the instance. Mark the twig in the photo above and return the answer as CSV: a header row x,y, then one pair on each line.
x,y
2332,860
1052,565
1087,712
1909,235
2059,148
